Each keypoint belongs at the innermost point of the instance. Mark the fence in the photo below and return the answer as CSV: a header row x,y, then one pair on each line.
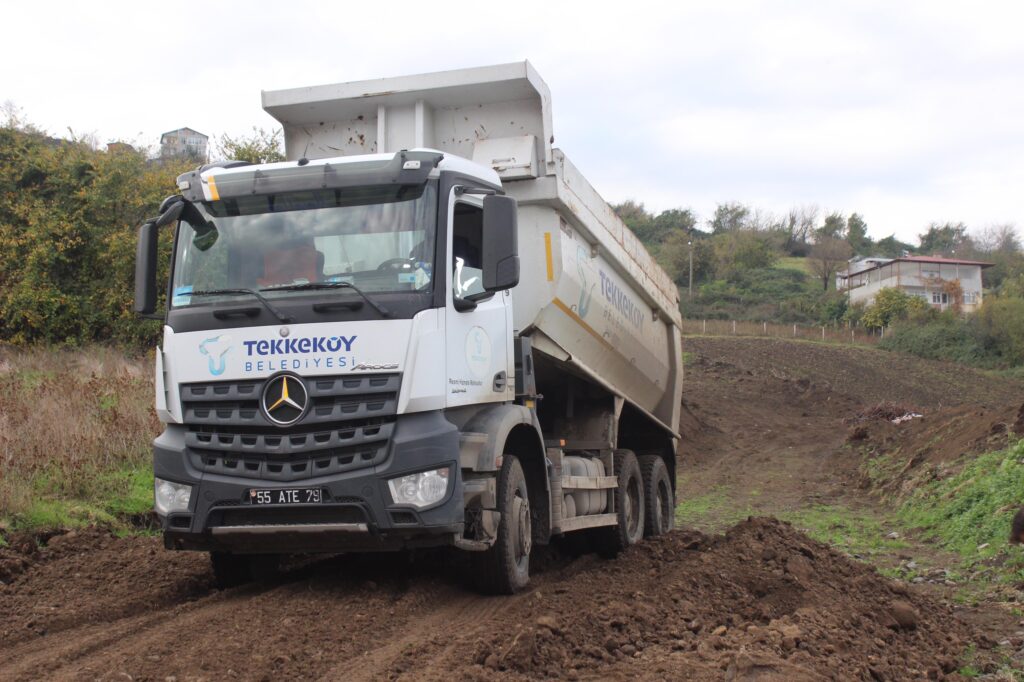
x,y
827,333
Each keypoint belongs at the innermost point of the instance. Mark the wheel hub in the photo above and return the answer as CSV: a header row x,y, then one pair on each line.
x,y
524,531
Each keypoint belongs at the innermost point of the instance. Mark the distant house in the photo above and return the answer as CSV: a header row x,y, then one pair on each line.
x,y
184,142
931,278
120,148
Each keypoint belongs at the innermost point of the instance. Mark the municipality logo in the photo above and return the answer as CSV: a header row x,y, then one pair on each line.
x,y
215,349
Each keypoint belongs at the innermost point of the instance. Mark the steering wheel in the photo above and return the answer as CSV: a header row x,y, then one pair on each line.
x,y
396,264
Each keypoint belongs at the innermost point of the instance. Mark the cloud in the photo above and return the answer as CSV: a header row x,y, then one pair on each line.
x,y
906,112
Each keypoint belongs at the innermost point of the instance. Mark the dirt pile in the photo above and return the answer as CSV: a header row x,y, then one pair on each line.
x,y
761,602
932,446
883,411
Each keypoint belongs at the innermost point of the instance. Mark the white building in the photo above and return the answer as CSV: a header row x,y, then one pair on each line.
x,y
928,277
184,142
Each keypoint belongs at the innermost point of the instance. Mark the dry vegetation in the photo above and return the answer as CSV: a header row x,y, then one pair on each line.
x,y
75,428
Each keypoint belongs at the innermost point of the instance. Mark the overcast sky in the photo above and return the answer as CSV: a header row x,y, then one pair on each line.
x,y
906,112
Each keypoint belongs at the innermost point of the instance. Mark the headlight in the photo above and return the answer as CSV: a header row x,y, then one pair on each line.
x,y
170,497
422,489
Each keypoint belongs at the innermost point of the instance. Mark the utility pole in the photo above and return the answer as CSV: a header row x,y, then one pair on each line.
x,y
689,291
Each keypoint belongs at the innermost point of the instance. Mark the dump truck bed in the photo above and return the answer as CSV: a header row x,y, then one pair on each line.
x,y
590,296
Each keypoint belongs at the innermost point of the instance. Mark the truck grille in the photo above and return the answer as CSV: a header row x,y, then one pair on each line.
x,y
348,426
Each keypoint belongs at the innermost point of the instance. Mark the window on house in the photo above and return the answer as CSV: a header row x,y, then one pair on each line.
x,y
939,297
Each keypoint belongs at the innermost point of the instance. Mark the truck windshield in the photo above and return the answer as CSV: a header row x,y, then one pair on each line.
x,y
380,239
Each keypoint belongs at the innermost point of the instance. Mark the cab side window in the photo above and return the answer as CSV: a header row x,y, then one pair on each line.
x,y
467,239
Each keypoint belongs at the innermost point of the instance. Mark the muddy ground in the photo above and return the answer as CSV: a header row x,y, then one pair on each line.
x,y
768,425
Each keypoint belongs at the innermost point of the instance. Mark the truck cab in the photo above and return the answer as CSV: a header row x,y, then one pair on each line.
x,y
356,357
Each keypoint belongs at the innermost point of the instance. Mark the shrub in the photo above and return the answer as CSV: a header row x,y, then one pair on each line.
x,y
68,219
890,305
947,337
1001,320
993,338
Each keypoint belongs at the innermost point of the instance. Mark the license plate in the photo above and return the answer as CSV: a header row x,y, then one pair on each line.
x,y
286,496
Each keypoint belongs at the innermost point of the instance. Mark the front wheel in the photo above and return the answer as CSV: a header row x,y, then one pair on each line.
x,y
232,570
629,507
505,567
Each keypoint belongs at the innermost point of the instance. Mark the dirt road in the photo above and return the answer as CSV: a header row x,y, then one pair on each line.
x,y
760,602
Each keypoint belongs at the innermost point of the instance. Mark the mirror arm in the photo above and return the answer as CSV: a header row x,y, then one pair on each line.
x,y
463,305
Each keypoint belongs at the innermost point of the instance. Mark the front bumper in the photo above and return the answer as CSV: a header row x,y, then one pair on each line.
x,y
357,513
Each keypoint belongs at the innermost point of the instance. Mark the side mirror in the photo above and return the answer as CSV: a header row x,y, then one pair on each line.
x,y
145,268
500,248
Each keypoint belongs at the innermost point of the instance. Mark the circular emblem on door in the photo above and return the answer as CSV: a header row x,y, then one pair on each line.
x,y
284,399
478,352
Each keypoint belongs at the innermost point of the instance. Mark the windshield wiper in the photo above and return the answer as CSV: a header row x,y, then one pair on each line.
x,y
284,319
311,286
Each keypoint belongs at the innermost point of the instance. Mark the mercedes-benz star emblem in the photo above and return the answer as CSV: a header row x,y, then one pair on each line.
x,y
284,399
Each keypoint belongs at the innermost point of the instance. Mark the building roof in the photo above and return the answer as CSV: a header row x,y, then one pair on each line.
x,y
939,259
920,259
191,130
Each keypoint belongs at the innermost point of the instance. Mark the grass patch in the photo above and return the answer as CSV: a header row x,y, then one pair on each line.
x,y
75,437
113,498
974,508
711,511
845,529
793,263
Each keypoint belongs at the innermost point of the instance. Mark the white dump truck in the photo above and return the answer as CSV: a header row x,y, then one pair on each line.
x,y
424,329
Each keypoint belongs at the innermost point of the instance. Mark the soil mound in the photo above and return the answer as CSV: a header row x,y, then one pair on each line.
x,y
883,411
934,443
761,602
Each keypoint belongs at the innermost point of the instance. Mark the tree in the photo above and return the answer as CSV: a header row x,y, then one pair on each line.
x,y
729,217
741,251
262,146
1002,319
797,228
1001,246
68,220
834,227
890,247
857,234
828,256
652,230
943,239
674,220
636,218
674,256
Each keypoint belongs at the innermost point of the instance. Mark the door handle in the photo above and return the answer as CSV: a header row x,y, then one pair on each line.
x,y
500,382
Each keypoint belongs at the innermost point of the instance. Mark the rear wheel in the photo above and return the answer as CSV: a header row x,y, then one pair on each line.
x,y
629,506
659,507
505,567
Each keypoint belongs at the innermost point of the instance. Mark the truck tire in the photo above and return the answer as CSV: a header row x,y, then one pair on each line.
x,y
609,541
659,507
505,567
230,570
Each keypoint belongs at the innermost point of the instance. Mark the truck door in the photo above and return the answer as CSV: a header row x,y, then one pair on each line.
x,y
478,351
